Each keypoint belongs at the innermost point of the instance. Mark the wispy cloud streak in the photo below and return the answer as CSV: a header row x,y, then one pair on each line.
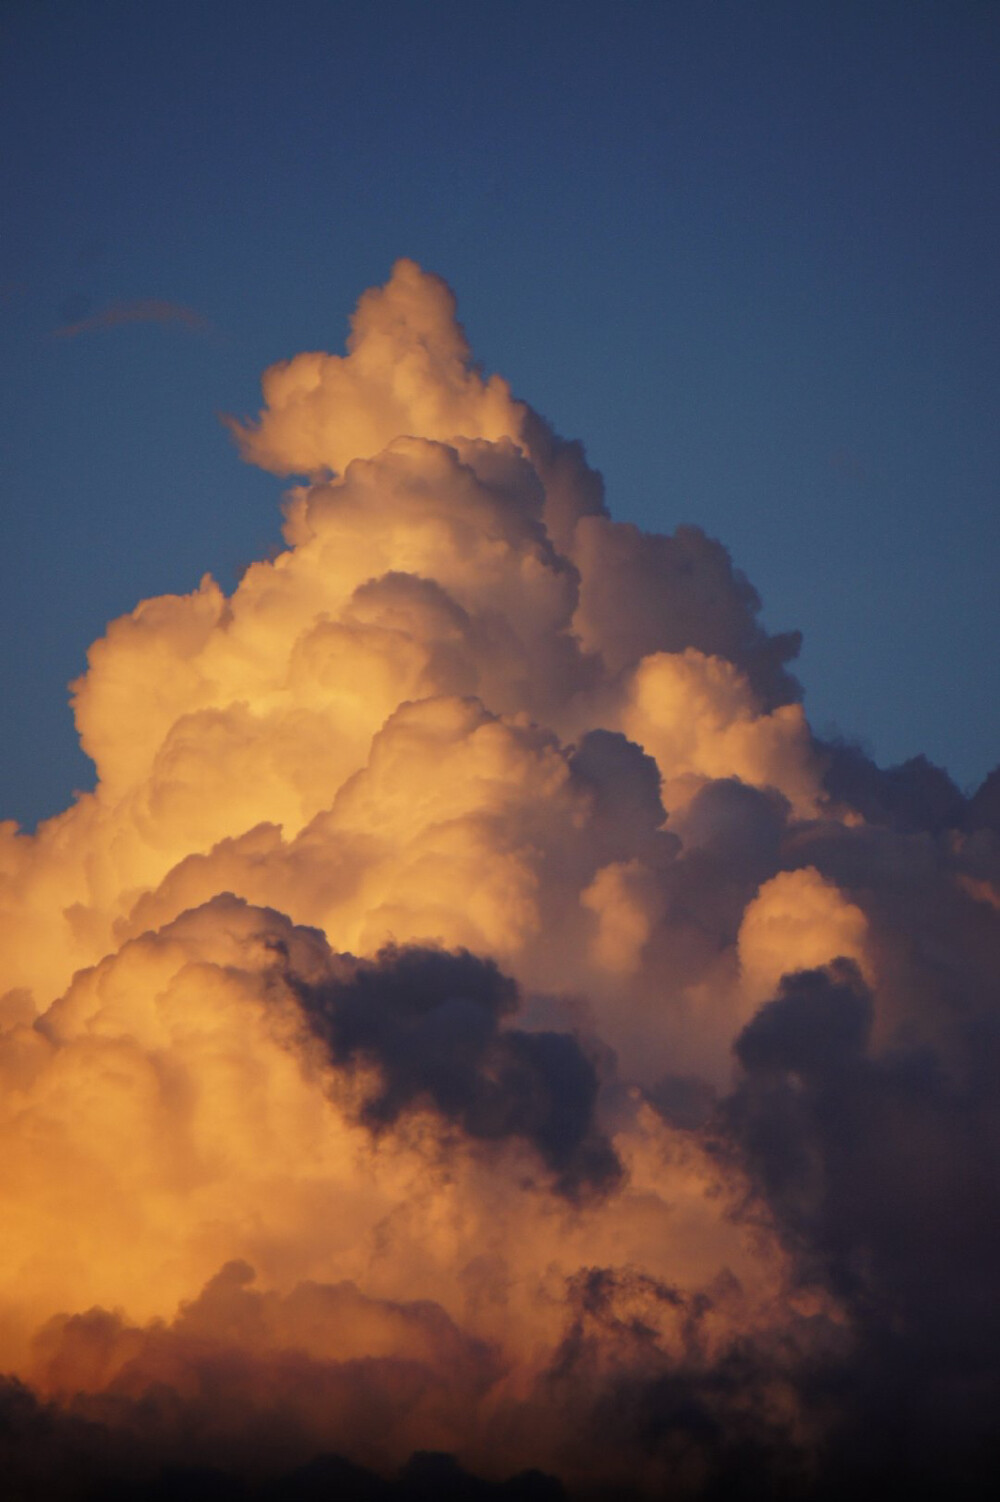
x,y
143,310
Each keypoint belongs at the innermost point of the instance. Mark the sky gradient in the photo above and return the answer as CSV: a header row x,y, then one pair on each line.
x,y
746,253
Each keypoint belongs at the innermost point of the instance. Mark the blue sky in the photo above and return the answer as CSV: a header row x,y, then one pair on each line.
x,y
746,252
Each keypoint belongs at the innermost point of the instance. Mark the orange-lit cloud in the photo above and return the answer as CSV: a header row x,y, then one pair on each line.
x,y
473,1012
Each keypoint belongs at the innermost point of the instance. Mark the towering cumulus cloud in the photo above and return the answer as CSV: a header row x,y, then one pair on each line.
x,y
475,1040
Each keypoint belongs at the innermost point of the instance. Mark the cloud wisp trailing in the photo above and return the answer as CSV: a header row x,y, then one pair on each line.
x,y
476,1039
143,310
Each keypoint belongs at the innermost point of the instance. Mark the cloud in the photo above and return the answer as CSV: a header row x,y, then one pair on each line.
x,y
143,310
476,1038
408,372
879,1169
430,1020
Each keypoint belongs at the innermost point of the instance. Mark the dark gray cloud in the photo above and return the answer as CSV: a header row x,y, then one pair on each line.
x,y
645,592
878,1165
49,1454
628,811
684,1425
431,1021
914,795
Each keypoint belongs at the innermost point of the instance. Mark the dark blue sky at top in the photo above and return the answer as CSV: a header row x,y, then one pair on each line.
x,y
747,252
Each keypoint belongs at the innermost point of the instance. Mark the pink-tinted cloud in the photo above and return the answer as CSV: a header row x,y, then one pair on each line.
x,y
143,310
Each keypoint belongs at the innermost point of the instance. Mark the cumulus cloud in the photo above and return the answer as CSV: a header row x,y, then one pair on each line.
x,y
407,372
476,1039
